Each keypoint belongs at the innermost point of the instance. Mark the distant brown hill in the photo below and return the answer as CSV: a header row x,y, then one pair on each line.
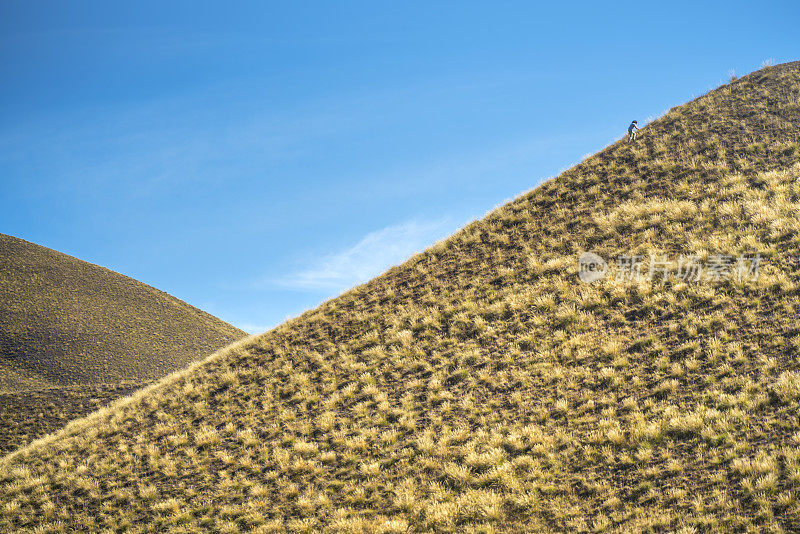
x,y
66,322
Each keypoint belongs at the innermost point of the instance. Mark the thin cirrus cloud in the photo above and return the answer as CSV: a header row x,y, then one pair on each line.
x,y
370,256
254,328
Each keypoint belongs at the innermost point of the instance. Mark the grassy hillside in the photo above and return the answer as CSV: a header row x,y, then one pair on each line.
x,y
481,386
64,321
31,414
80,334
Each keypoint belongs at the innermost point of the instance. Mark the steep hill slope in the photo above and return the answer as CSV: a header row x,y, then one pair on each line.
x,y
482,386
65,323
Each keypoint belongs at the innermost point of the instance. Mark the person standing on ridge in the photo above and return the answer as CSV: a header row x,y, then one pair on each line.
x,y
632,131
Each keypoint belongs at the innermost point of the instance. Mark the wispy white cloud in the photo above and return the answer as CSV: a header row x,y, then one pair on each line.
x,y
253,328
370,256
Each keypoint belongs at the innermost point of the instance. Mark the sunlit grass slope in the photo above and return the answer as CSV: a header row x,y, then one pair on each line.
x,y
65,323
481,386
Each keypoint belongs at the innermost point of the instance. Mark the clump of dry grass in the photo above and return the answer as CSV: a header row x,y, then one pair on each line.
x,y
481,387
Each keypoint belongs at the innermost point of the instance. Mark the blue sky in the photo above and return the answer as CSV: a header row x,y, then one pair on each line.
x,y
256,158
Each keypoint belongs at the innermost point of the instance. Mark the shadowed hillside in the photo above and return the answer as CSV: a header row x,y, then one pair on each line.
x,y
64,321
482,386
68,323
